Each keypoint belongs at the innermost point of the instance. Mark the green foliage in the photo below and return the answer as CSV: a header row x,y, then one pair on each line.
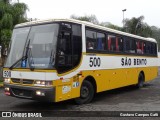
x,y
5,36
156,34
137,26
10,15
19,10
88,18
7,21
110,25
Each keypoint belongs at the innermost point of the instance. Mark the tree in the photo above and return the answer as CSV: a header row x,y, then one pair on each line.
x,y
10,15
110,25
93,19
156,34
88,18
137,26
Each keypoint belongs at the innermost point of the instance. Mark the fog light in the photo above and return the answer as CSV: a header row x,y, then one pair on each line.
x,y
40,93
7,80
6,89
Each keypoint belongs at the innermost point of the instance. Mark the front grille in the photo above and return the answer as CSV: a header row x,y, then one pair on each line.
x,y
22,81
27,81
16,80
22,92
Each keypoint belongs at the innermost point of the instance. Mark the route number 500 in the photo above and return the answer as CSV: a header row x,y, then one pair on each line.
x,y
7,74
94,61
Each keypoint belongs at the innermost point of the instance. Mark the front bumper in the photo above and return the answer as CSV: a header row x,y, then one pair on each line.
x,y
29,92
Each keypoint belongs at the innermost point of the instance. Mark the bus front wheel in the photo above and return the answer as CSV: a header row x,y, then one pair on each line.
x,y
86,93
140,81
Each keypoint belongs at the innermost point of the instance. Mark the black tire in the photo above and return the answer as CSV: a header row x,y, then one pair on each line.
x,y
86,93
140,83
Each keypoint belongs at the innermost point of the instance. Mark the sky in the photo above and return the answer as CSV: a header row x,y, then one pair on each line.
x,y
104,10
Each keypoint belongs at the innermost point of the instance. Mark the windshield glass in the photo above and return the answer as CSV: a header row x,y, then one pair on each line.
x,y
40,47
18,41
43,39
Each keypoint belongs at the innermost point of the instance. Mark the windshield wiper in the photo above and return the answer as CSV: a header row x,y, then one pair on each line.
x,y
52,57
28,50
22,58
30,62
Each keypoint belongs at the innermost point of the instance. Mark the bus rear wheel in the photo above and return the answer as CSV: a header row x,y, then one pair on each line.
x,y
140,81
86,93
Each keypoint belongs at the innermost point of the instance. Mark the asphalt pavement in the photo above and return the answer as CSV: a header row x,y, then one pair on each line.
x,y
122,99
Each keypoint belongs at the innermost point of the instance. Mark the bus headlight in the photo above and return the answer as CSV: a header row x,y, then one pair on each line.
x,y
7,80
43,83
40,93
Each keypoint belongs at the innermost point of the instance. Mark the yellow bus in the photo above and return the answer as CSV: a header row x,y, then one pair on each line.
x,y
60,59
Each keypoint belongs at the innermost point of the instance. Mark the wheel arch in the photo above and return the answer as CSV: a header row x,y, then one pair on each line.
x,y
93,81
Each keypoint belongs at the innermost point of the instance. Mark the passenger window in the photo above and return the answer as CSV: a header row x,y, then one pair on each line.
x,y
119,44
151,48
148,48
115,43
129,45
140,47
155,48
111,43
101,44
90,39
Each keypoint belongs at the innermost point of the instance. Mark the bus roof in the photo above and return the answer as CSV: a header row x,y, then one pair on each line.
x,y
89,24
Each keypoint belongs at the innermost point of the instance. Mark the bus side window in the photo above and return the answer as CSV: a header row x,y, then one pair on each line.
x,y
90,40
155,48
111,43
101,41
148,48
144,47
129,45
115,43
140,47
119,44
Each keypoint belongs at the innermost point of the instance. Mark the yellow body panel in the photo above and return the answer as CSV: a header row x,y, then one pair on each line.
x,y
73,93
105,80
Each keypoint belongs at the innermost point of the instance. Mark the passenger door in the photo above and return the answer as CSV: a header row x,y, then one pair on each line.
x,y
69,47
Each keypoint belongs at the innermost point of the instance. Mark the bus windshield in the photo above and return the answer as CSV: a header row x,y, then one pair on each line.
x,y
36,43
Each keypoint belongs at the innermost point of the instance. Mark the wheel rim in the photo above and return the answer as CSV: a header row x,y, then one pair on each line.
x,y
84,92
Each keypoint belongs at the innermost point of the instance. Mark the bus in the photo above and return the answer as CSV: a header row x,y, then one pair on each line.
x,y
60,59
